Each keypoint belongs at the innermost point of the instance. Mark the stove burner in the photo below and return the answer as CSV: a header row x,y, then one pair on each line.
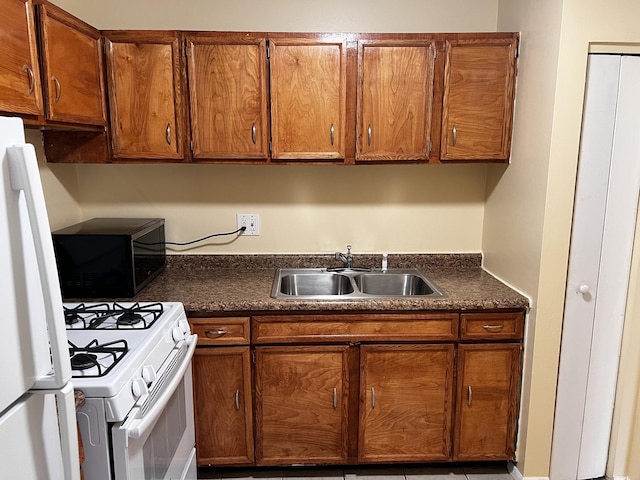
x,y
129,318
83,361
101,356
71,317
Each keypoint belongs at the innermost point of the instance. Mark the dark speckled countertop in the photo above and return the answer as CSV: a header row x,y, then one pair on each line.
x,y
242,283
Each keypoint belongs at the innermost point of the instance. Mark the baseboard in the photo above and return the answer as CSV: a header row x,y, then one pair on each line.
x,y
618,477
517,475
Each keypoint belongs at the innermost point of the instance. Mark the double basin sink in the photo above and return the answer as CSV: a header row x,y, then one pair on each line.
x,y
335,284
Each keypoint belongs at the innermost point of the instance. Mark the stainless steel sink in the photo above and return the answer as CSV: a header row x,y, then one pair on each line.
x,y
393,284
306,284
335,284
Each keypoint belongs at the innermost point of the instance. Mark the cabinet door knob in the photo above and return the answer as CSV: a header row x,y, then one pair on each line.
x,y
369,135
373,397
168,132
333,132
56,82
253,133
31,77
493,328
455,135
469,396
335,398
215,333
237,399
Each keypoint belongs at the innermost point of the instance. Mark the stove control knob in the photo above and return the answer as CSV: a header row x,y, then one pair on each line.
x,y
178,334
139,388
148,374
184,324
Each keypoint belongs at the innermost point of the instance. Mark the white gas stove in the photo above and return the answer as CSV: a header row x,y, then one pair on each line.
x,y
132,361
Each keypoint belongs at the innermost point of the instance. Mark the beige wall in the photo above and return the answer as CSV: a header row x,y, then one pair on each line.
x,y
535,207
290,15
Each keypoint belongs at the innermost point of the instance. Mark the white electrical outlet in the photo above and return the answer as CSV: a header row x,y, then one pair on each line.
x,y
251,221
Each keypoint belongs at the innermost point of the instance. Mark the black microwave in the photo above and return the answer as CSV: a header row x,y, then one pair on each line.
x,y
109,257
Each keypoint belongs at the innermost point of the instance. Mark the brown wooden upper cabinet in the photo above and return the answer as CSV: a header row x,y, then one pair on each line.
x,y
145,94
308,98
479,89
227,75
395,97
20,89
73,68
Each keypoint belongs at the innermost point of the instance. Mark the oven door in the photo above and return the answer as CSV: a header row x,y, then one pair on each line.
x,y
157,440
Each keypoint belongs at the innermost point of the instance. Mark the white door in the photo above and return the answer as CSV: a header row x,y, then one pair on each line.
x,y
601,247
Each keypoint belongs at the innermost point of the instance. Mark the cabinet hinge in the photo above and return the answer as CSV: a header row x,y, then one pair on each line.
x,y
191,145
253,357
430,146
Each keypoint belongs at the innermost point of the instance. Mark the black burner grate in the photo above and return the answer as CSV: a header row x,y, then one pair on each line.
x,y
103,356
112,316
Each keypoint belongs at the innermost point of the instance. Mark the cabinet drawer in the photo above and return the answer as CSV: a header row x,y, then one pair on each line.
x,y
352,328
491,326
221,330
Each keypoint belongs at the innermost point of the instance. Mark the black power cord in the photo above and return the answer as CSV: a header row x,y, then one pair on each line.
x,y
182,244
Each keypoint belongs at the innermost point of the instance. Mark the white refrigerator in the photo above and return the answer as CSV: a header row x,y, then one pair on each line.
x,y
38,436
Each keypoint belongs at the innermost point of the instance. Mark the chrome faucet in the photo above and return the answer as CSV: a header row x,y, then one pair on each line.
x,y
347,259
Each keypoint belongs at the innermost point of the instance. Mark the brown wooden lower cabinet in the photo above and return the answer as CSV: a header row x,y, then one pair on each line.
x,y
488,381
223,407
301,405
357,389
405,403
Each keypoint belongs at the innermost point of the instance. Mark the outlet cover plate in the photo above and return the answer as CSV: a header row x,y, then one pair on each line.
x,y
251,221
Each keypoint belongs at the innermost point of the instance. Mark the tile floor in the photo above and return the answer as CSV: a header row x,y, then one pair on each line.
x,y
493,472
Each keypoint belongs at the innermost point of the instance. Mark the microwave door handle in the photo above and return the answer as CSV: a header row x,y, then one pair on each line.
x,y
137,428
24,175
66,407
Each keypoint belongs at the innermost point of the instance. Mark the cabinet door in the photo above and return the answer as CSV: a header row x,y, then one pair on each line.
x,y
222,396
478,99
20,89
488,380
395,91
301,405
405,403
308,99
73,69
144,78
228,96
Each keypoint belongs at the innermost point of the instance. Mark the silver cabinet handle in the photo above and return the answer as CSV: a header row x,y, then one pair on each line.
x,y
335,398
253,133
373,397
493,328
32,78
168,131
333,132
56,82
469,396
237,399
455,135
215,333
369,135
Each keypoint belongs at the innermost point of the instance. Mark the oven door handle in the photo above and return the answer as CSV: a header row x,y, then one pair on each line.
x,y
137,428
